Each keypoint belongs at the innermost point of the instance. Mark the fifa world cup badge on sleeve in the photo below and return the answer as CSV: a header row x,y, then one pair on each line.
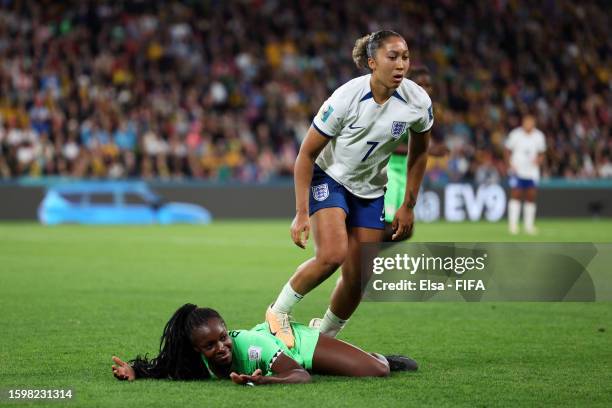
x,y
320,192
326,112
398,129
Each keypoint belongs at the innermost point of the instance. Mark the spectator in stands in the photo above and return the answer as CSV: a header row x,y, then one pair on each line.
x,y
184,89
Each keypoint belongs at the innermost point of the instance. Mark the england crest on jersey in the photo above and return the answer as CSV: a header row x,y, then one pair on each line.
x,y
398,129
320,192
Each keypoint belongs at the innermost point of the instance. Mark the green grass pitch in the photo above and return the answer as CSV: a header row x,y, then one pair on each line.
x,y
70,297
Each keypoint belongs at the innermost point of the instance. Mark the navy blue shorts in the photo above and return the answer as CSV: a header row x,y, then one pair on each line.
x,y
325,192
521,183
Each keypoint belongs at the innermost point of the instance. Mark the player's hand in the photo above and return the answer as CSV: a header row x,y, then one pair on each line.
x,y
243,379
403,223
122,370
300,224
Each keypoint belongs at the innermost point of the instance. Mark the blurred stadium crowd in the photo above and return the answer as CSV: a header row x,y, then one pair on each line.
x,y
227,89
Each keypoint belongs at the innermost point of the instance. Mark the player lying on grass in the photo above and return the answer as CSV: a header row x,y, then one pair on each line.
x,y
196,345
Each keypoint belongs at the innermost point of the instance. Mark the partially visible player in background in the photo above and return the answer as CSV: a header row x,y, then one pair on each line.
x,y
396,168
525,153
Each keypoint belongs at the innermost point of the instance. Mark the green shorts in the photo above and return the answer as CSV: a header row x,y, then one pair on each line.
x,y
305,343
396,185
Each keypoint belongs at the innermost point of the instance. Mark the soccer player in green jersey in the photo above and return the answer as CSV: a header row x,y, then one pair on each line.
x,y
396,168
196,345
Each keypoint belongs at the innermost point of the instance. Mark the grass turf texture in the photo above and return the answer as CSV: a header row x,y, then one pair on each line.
x,y
70,297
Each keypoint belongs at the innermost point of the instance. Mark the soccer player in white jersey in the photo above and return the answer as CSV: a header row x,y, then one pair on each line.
x,y
525,152
340,182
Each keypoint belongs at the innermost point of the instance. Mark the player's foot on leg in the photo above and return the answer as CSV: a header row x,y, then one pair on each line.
x,y
531,231
315,323
280,326
401,363
513,229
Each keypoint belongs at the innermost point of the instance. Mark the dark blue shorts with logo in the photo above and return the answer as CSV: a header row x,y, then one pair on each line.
x,y
325,192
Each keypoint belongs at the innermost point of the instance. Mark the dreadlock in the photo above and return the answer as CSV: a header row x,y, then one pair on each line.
x,y
177,360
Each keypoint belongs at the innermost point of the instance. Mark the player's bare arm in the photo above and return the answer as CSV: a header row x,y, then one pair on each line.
x,y
417,162
310,149
286,371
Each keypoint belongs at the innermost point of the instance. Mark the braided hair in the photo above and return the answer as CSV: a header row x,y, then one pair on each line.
x,y
177,360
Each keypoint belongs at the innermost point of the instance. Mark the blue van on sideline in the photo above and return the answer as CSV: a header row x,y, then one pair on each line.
x,y
113,202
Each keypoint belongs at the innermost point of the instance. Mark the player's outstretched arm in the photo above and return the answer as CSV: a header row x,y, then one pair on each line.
x,y
286,371
309,151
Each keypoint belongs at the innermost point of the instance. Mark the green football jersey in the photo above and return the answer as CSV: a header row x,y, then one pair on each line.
x,y
258,349
397,162
252,350
396,181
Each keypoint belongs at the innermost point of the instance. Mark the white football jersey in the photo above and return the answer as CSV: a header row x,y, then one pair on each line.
x,y
364,134
525,148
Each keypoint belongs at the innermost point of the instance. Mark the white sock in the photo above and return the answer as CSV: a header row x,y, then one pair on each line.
x,y
331,324
514,212
286,299
529,212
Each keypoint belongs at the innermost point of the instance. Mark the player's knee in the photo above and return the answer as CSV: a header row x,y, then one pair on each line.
x,y
378,369
384,370
332,258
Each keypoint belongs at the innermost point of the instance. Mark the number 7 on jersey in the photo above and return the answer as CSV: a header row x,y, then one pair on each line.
x,y
372,147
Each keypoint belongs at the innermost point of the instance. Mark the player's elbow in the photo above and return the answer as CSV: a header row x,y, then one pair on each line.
x,y
309,151
301,377
306,156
